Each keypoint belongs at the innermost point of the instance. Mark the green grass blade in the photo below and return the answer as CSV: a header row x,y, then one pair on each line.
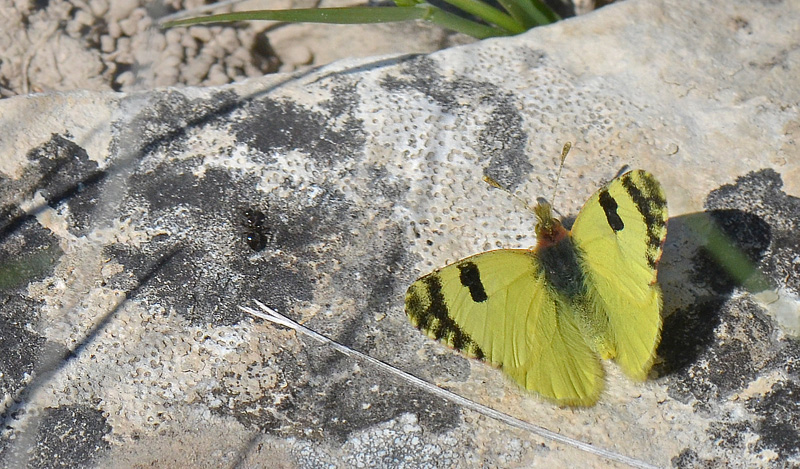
x,y
353,15
516,11
346,15
540,12
462,25
490,14
530,13
736,263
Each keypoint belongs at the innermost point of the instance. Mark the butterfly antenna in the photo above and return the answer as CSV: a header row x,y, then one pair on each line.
x,y
564,152
493,182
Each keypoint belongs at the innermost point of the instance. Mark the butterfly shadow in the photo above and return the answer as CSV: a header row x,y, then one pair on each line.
x,y
707,255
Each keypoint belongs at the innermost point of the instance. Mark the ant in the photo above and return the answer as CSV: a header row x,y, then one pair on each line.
x,y
256,234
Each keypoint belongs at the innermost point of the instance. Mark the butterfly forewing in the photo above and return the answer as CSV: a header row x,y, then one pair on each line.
x,y
619,234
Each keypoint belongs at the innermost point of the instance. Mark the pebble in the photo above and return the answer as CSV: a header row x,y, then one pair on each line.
x,y
126,79
114,31
216,76
189,42
228,40
107,44
123,53
128,26
297,55
201,33
98,7
121,9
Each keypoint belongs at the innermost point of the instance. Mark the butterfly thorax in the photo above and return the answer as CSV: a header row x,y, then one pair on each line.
x,y
557,254
560,264
549,231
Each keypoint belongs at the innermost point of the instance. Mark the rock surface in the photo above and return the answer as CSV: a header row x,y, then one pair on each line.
x,y
132,225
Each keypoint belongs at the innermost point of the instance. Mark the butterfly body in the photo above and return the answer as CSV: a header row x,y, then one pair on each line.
x,y
548,314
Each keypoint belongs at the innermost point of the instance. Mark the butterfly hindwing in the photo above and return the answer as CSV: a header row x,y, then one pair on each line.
x,y
619,233
499,306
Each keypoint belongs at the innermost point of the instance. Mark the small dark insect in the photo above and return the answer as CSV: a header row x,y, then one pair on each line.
x,y
256,234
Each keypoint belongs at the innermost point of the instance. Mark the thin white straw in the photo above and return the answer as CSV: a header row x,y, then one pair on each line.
x,y
197,11
271,315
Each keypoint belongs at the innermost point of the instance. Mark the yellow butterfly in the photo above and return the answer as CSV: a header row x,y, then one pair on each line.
x,y
545,315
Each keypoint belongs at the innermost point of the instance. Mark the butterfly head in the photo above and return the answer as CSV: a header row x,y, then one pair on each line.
x,y
549,230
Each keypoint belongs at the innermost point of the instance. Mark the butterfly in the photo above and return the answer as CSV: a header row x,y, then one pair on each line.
x,y
547,315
